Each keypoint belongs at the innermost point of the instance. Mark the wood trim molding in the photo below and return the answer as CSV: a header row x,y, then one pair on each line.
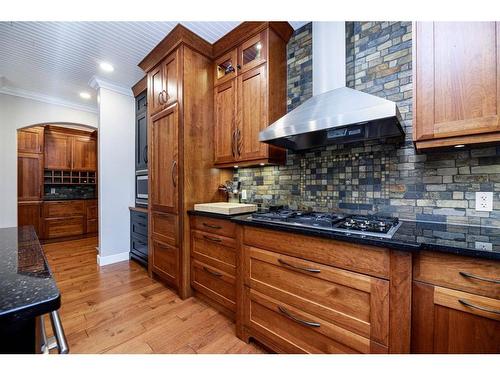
x,y
178,35
140,86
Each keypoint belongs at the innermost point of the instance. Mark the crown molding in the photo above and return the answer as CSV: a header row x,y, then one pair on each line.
x,y
97,82
14,91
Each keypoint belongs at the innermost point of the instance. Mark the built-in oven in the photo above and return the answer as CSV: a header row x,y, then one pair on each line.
x,y
141,189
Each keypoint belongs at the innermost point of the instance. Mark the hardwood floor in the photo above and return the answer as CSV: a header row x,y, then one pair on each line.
x,y
119,309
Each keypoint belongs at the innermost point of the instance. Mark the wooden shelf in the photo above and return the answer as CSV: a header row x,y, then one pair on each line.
x,y
59,177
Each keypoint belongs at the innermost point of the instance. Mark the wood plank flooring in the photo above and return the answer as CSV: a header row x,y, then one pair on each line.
x,y
119,309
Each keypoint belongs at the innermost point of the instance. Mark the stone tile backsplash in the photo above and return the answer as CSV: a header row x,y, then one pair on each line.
x,y
377,177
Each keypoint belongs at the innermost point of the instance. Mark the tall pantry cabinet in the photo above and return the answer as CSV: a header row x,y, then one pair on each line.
x,y
180,149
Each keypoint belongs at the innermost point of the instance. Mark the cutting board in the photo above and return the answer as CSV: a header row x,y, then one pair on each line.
x,y
225,208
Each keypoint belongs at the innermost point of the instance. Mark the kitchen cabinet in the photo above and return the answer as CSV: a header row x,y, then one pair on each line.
x,y
456,305
139,235
251,96
30,213
456,78
30,140
180,149
91,216
141,133
29,176
68,149
165,161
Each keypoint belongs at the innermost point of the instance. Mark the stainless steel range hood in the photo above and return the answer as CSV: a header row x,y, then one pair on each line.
x,y
339,115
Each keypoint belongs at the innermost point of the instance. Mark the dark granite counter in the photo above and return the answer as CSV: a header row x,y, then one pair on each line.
x,y
48,199
27,288
411,236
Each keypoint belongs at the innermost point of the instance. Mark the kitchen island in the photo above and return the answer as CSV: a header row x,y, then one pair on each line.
x,y
27,289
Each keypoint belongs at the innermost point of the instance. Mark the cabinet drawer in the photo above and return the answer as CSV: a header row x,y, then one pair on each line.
x,y
91,207
138,227
139,245
479,276
166,261
63,227
214,283
165,227
356,302
366,259
92,225
63,208
295,331
218,226
215,250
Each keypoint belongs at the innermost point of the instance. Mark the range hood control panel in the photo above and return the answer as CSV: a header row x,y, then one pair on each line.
x,y
354,131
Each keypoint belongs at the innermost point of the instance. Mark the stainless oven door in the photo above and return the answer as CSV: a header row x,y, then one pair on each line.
x,y
141,187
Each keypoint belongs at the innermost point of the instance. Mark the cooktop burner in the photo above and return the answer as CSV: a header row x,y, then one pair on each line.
x,y
376,226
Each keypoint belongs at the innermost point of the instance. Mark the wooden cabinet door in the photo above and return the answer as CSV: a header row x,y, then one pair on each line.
x,y
226,67
58,149
29,177
164,161
457,79
84,154
252,114
155,89
141,133
455,322
30,213
253,52
30,139
225,119
170,78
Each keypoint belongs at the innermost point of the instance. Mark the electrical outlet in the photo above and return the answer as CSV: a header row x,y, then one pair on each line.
x,y
484,201
244,194
52,190
483,246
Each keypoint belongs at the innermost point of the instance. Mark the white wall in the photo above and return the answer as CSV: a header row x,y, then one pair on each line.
x,y
116,174
15,113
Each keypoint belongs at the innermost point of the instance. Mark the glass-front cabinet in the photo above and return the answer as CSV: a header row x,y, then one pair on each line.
x,y
225,67
252,52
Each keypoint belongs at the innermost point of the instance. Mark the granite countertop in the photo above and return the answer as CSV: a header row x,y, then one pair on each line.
x,y
411,236
27,288
47,198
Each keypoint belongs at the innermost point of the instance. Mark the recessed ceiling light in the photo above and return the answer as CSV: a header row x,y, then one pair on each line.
x,y
85,95
107,67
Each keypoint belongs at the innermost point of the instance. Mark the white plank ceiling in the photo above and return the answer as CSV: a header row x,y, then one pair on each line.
x,y
57,59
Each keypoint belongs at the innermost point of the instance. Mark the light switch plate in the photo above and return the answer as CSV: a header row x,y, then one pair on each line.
x,y
484,201
244,194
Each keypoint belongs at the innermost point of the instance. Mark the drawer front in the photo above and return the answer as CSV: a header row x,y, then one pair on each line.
x,y
139,245
356,302
214,283
69,226
91,206
139,227
217,226
92,225
63,208
295,331
479,276
166,261
214,250
354,257
165,227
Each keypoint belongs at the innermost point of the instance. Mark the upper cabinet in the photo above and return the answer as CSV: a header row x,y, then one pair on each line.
x,y
163,83
250,93
30,139
456,83
70,150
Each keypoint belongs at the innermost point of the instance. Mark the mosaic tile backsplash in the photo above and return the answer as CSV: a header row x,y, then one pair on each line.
x,y
55,192
377,177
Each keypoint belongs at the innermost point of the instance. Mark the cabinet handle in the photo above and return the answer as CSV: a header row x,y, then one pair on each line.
x,y
166,96
141,224
207,270
471,276
238,141
213,239
468,304
145,154
212,226
298,320
232,143
174,164
312,270
160,95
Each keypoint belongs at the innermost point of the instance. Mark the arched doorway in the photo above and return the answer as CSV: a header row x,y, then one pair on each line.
x,y
57,180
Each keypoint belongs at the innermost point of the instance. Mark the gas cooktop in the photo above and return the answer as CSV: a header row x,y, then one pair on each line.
x,y
376,226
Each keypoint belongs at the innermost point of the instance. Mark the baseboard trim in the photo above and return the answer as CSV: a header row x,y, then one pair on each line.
x,y
110,259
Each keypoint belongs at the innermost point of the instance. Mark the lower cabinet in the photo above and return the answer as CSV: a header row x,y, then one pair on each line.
x,y
68,218
166,262
30,213
63,227
139,235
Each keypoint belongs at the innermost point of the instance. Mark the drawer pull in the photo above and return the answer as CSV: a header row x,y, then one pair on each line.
x,y
298,320
468,304
471,276
141,224
213,239
312,270
213,273
212,226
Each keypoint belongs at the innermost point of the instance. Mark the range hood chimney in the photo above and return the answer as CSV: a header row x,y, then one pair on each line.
x,y
335,113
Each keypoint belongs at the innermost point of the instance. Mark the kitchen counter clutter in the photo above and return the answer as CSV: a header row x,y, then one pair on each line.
x,y
27,289
410,236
